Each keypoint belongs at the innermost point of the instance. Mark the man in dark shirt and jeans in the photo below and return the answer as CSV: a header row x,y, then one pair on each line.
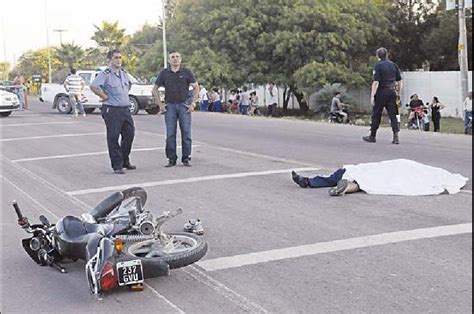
x,y
179,103
386,87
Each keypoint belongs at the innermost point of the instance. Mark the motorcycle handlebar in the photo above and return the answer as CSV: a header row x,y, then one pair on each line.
x,y
17,210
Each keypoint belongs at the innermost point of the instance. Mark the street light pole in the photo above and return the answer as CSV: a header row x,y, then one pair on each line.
x,y
165,49
60,31
463,56
47,39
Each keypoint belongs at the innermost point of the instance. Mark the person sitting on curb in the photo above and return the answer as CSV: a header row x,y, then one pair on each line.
x,y
391,177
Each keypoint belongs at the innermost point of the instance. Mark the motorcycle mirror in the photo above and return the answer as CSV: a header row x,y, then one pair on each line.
x,y
45,221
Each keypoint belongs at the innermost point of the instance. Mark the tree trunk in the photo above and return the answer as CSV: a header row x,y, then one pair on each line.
x,y
301,99
286,98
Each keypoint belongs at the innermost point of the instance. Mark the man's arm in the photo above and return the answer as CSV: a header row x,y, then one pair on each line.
x,y
375,87
399,87
156,97
99,92
65,86
195,87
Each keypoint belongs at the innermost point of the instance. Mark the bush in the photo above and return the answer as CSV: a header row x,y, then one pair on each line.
x,y
321,101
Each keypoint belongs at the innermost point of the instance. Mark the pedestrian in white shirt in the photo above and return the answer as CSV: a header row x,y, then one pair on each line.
x,y
467,107
272,99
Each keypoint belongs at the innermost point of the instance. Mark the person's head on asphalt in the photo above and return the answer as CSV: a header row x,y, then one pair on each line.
x,y
115,58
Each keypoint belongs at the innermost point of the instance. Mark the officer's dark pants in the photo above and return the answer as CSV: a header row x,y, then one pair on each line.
x,y
119,123
385,98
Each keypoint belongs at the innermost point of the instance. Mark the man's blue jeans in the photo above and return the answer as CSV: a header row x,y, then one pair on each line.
x,y
178,113
327,181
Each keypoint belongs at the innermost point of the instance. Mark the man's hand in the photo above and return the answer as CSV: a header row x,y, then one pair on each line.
x,y
103,99
162,108
191,107
372,101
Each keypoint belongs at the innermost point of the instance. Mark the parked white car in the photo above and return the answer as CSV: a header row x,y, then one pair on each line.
x,y
140,95
8,102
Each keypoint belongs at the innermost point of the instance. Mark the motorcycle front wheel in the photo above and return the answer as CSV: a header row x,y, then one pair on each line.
x,y
185,249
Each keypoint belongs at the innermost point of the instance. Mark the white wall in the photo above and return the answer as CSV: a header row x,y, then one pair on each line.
x,y
445,85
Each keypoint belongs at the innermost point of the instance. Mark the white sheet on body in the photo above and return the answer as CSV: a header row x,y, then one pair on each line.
x,y
403,177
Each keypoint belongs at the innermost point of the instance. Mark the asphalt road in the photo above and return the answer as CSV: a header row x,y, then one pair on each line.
x,y
361,253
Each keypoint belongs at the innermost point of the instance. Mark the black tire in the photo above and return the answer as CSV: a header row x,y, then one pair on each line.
x,y
89,110
153,110
108,205
5,114
134,107
63,104
180,259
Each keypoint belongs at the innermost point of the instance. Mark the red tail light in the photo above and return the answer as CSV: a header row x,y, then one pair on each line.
x,y
108,278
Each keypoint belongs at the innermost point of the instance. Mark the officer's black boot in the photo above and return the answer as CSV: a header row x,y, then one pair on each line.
x,y
370,138
396,140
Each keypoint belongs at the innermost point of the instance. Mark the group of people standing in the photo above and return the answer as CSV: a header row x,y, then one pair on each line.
x,y
241,101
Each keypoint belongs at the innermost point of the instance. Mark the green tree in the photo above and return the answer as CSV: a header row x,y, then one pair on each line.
x,y
4,69
110,35
289,42
70,55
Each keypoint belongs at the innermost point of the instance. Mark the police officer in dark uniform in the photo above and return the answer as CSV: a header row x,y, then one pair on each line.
x,y
112,86
386,87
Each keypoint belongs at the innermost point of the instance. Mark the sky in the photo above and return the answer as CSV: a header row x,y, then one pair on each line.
x,y
24,23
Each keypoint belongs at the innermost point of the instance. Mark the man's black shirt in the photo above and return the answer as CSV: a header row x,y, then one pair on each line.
x,y
387,73
176,84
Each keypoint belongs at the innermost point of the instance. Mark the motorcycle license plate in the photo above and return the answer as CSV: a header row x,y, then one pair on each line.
x,y
130,272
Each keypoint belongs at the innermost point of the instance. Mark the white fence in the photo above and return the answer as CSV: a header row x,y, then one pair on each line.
x,y
444,85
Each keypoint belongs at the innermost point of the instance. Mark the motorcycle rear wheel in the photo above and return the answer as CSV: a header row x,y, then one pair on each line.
x,y
189,249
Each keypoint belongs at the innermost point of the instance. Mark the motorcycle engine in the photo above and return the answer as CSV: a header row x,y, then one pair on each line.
x,y
146,225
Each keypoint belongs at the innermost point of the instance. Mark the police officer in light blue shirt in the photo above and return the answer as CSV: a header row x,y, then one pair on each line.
x,y
112,86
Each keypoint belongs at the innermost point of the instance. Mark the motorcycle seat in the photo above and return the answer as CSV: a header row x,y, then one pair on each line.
x,y
73,229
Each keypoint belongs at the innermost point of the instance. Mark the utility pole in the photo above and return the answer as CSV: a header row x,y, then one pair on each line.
x,y
47,39
463,56
60,31
163,24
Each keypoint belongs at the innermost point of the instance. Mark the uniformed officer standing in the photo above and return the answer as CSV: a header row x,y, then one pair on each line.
x,y
112,86
386,87
179,104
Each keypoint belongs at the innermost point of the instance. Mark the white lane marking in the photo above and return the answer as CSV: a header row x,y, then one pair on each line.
x,y
162,297
48,136
247,305
189,180
273,158
332,246
88,154
38,123
30,197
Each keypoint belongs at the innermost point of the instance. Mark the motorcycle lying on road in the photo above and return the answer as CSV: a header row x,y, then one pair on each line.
x,y
121,242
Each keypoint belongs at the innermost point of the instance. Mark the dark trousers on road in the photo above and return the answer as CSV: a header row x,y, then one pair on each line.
x,y
178,113
436,121
272,110
119,124
385,98
327,181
